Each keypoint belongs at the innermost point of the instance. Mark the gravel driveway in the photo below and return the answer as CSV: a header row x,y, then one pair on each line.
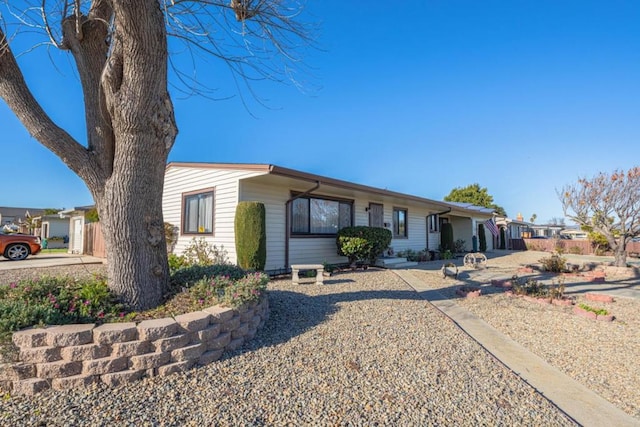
x,y
363,349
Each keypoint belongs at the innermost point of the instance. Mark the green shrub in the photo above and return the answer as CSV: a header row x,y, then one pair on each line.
x,y
576,250
251,235
597,311
559,246
446,237
188,276
555,263
531,287
416,256
362,243
55,301
459,246
176,262
229,292
482,238
599,242
200,252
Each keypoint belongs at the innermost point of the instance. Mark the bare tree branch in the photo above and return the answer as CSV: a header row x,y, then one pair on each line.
x,y
15,92
609,204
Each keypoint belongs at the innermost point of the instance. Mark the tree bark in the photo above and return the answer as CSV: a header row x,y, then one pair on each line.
x,y
130,131
141,112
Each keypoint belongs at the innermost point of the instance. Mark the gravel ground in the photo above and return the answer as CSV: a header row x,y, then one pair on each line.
x,y
363,349
603,356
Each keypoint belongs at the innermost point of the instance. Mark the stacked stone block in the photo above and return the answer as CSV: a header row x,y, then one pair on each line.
x,y
72,356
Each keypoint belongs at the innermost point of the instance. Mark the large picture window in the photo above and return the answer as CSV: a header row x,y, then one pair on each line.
x,y
399,222
197,212
311,215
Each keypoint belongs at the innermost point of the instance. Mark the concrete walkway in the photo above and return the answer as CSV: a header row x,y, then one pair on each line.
x,y
43,260
577,401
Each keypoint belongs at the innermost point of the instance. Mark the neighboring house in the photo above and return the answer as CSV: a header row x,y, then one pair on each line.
x,y
52,226
75,226
514,229
18,219
547,230
303,211
574,234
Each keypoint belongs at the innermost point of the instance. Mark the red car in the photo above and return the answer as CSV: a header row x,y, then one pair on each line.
x,y
16,247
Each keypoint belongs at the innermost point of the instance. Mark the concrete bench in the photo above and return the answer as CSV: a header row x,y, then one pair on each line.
x,y
295,269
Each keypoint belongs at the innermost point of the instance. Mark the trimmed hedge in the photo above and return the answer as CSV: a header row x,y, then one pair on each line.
x,y
446,237
251,235
503,239
362,243
482,238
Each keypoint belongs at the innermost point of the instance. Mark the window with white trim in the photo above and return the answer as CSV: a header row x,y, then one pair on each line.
x,y
400,216
434,223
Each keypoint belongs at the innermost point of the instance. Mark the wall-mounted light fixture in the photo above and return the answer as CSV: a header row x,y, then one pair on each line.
x,y
366,209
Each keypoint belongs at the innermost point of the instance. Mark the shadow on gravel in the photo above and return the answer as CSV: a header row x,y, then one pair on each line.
x,y
465,278
293,313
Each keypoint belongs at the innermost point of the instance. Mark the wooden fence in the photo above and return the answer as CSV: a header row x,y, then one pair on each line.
x,y
582,247
93,240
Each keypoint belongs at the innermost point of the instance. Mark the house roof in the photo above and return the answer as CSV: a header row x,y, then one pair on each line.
x,y
271,169
20,212
505,221
471,206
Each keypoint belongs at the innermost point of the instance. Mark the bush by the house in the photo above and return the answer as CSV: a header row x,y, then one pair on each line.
x,y
416,256
362,243
188,276
251,235
446,237
459,246
482,238
198,252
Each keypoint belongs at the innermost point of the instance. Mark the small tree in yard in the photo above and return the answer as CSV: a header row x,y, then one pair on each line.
x,y
608,204
121,55
482,238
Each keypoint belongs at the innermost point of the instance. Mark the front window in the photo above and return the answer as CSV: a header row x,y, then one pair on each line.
x,y
399,222
197,213
434,223
310,215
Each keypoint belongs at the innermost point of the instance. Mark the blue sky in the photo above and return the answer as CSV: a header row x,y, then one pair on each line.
x,y
419,97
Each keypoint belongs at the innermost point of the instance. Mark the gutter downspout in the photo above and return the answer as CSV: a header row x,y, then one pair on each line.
x,y
287,230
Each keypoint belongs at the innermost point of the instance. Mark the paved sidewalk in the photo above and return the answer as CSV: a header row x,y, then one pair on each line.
x,y
44,260
577,401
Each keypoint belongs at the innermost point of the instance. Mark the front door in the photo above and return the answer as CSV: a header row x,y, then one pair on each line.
x,y
76,240
376,215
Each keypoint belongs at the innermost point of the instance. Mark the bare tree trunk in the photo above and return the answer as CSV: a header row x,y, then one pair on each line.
x,y
136,97
620,255
131,214
130,131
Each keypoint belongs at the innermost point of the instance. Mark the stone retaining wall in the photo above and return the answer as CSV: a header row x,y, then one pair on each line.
x,y
70,356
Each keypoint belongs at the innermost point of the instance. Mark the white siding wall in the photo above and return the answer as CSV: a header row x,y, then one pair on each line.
x,y
225,200
274,199
434,241
57,227
462,229
229,190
